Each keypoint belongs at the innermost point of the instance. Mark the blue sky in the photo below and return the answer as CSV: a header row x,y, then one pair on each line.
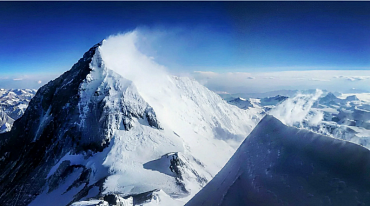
x,y
40,38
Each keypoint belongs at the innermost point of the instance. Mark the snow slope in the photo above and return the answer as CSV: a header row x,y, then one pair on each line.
x,y
283,165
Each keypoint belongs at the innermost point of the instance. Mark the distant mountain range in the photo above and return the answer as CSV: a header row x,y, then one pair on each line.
x,y
13,103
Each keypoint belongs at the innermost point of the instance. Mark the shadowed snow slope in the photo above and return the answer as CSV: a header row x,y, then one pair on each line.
x,y
282,165
117,123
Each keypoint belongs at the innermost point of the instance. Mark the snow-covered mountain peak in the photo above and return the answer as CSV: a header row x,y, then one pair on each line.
x,y
241,103
330,98
159,89
112,125
188,114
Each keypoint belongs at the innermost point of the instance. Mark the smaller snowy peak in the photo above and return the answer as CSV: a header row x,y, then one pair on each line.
x,y
352,98
241,103
330,98
266,103
273,101
364,97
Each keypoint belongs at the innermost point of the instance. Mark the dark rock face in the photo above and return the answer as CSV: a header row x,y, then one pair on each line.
x,y
111,199
44,134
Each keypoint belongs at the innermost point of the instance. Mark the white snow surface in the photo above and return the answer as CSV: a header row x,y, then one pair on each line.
x,y
196,124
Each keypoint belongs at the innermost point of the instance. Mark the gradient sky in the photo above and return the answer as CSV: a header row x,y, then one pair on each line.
x,y
38,38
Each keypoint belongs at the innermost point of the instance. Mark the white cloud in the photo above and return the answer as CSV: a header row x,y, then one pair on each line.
x,y
25,81
320,80
356,78
246,82
206,73
121,54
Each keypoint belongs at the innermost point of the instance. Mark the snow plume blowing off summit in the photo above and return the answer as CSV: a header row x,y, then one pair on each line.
x,y
121,54
118,124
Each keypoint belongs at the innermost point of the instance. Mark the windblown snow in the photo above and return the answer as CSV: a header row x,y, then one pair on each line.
x,y
166,135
